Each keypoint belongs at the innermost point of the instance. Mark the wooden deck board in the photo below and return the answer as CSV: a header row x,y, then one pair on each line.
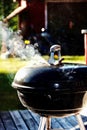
x,y
7,121
55,124
27,120
72,120
65,124
1,125
36,117
18,120
30,121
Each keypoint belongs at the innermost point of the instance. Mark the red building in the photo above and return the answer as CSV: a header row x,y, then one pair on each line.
x,y
63,18
33,16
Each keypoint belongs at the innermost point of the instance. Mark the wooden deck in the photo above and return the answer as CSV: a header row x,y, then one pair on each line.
x,y
27,120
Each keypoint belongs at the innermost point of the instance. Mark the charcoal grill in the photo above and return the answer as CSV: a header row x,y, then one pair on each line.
x,y
55,90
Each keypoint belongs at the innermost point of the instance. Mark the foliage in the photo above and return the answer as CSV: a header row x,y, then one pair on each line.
x,y
6,7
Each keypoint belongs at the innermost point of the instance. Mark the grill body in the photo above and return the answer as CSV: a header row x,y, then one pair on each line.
x,y
53,90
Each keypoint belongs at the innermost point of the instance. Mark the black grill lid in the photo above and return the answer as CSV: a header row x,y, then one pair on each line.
x,y
69,77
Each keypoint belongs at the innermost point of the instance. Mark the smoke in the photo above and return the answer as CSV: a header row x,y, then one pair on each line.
x,y
12,44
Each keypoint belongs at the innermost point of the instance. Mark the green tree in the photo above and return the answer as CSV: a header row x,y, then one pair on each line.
x,y
6,7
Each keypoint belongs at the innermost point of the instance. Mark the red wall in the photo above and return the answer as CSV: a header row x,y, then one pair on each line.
x,y
32,16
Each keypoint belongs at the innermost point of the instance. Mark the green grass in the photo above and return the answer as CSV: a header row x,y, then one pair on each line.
x,y
74,59
8,96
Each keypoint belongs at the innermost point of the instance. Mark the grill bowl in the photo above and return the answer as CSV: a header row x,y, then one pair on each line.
x,y
53,90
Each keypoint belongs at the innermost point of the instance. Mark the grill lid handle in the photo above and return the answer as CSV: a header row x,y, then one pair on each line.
x,y
53,49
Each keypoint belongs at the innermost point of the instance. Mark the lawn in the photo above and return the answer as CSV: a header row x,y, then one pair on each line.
x,y
8,67
8,96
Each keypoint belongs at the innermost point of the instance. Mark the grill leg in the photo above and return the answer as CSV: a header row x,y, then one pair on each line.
x,y
45,123
42,123
48,123
80,122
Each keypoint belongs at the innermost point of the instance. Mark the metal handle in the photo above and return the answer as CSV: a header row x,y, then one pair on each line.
x,y
53,49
